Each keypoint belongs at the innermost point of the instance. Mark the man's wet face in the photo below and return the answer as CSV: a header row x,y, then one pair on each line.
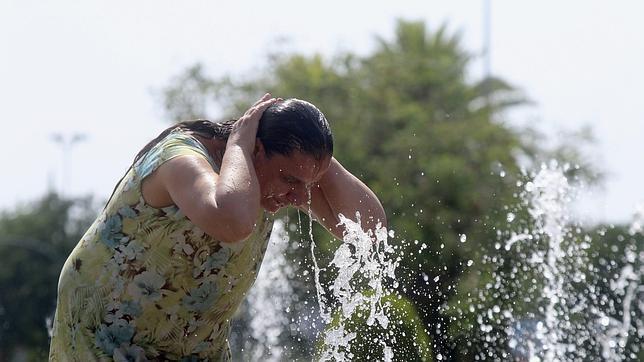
x,y
285,180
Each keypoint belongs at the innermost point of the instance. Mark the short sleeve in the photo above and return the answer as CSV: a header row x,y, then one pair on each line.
x,y
177,143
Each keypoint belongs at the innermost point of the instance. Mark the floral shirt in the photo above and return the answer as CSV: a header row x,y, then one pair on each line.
x,y
145,284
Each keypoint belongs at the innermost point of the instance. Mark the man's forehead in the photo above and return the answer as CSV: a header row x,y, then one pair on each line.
x,y
309,168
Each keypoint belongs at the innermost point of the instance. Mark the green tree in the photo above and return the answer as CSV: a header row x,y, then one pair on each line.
x,y
34,243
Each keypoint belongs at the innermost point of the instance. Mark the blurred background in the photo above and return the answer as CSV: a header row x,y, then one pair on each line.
x,y
445,109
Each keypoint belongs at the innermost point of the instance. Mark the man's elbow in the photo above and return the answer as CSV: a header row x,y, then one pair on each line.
x,y
233,232
233,226
238,216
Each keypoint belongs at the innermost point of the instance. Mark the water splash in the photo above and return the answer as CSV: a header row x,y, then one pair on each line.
x,y
549,195
616,332
362,257
637,226
629,285
557,306
270,297
322,303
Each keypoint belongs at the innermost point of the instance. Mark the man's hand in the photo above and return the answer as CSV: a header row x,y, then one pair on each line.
x,y
244,130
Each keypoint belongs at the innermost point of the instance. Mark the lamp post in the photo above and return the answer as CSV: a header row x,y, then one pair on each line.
x,y
66,143
487,56
487,32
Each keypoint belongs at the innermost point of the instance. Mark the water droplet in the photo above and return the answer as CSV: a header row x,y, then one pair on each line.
x,y
463,238
512,343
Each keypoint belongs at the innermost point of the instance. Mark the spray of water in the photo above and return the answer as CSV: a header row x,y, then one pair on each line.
x,y
564,312
324,312
363,257
628,284
543,263
549,196
270,297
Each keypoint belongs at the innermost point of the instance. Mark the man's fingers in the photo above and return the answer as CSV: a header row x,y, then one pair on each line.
x,y
264,98
261,104
261,107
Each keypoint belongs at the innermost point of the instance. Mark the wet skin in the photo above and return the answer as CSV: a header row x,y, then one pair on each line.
x,y
285,180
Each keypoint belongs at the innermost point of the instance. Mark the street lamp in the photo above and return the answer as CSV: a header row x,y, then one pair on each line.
x,y
66,143
487,38
487,49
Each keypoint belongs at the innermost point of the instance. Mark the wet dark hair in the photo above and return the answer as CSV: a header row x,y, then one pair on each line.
x,y
295,125
287,126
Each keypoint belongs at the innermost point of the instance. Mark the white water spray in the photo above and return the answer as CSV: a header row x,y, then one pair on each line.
x,y
324,313
571,319
269,298
363,256
549,195
628,285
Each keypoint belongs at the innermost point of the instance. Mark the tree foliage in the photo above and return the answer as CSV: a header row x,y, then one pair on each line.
x,y
34,243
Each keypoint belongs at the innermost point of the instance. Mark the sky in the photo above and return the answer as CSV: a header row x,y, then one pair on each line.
x,y
95,68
